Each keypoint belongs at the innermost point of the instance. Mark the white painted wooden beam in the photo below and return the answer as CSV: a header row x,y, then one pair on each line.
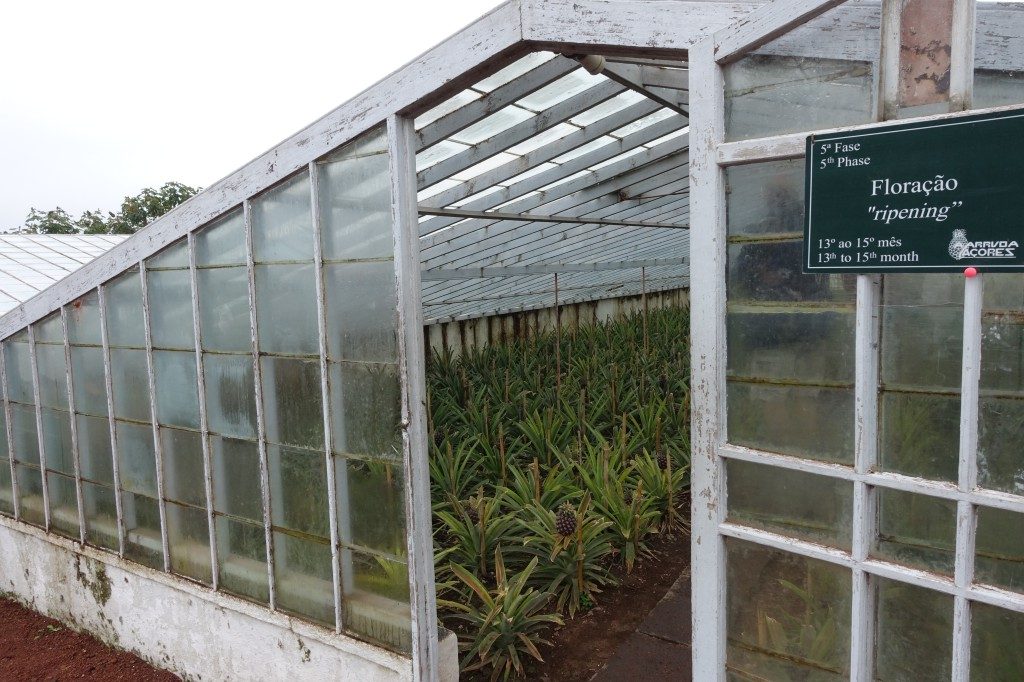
x,y
534,218
544,269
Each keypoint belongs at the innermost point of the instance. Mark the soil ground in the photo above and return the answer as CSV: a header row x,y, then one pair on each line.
x,y
589,641
33,647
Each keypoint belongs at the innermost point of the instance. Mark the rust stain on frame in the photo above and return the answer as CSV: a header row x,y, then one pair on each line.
x,y
925,37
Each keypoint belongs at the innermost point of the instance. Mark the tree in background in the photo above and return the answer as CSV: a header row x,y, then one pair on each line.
x,y
136,212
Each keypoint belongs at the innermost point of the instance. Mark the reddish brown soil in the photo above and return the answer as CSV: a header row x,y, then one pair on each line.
x,y
584,644
33,647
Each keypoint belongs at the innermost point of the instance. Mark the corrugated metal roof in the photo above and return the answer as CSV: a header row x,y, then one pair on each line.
x,y
30,263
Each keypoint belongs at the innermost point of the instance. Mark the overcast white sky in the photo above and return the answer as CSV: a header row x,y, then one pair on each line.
x,y
99,99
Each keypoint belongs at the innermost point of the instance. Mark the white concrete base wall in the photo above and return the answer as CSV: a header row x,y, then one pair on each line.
x,y
180,626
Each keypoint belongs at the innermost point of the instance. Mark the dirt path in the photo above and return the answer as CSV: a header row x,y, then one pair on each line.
x,y
33,647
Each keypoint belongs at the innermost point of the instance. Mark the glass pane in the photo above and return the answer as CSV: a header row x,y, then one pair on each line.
x,y
4,451
302,571
94,449
286,307
124,311
915,633
49,330
222,242
224,309
355,200
18,366
173,256
916,530
777,89
794,503
30,494
242,555
53,377
89,381
177,388
920,434
24,434
136,458
371,504
84,320
361,305
129,374
188,534
63,504
804,421
6,489
293,401
769,272
230,395
57,441
236,478
998,71
184,476
788,616
375,599
765,199
365,409
1000,549
142,527
100,516
170,308
298,491
996,635
282,222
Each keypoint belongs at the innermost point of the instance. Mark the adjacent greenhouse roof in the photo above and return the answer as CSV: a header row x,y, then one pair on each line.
x,y
30,263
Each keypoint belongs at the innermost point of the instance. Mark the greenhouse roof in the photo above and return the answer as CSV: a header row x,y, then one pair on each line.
x,y
30,263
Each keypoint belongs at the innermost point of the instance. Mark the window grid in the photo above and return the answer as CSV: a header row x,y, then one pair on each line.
x,y
75,454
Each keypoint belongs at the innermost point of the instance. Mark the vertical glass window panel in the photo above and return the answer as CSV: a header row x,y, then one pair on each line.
x,y
794,503
170,308
236,478
63,498
100,515
371,492
5,453
222,242
282,222
129,373
803,421
184,475
57,441
921,350
6,489
24,434
89,380
286,309
242,555
375,599
173,256
765,199
188,534
365,409
1000,549
998,69
49,330
996,635
302,574
224,309
18,366
293,401
361,308
177,388
355,200
124,311
916,530
53,378
143,543
84,320
298,491
769,272
94,455
778,89
788,617
915,633
230,395
30,494
136,458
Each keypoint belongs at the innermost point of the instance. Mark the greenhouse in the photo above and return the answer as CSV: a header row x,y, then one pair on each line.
x,y
547,282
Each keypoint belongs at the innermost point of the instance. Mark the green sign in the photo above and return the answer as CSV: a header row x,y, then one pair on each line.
x,y
937,196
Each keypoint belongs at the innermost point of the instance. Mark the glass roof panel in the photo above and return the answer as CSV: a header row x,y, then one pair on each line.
x,y
492,125
514,70
562,89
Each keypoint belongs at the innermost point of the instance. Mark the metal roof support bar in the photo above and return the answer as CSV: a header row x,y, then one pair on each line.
x,y
546,269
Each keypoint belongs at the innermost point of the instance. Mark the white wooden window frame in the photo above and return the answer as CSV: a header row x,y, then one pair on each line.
x,y
710,156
